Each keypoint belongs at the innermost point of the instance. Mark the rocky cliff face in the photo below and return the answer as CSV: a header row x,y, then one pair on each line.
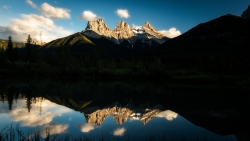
x,y
122,32
151,31
99,27
246,13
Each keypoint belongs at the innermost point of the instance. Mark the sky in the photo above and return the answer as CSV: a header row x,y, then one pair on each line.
x,y
59,18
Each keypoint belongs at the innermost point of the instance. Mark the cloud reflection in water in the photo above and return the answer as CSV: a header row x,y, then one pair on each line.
x,y
85,128
168,114
41,113
119,131
53,128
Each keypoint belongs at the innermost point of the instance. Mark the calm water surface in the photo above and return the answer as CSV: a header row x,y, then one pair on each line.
x,y
45,115
121,110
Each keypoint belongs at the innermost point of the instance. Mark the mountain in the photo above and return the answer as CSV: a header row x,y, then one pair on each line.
x,y
228,29
218,46
145,36
246,13
221,33
81,45
98,37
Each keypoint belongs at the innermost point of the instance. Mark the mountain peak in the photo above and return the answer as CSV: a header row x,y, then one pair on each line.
x,y
122,30
147,23
122,24
99,26
148,26
246,13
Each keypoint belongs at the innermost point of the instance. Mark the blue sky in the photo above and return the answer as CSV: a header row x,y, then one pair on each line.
x,y
59,18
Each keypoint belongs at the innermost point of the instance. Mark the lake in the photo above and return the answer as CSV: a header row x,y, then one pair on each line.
x,y
124,110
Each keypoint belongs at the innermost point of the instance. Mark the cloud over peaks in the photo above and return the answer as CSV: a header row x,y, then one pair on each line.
x,y
171,33
54,12
88,15
31,3
123,13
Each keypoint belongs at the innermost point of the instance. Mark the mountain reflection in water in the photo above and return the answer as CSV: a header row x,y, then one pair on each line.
x,y
144,113
76,109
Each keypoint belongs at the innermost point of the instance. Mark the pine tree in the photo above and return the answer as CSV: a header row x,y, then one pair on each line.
x,y
29,50
10,49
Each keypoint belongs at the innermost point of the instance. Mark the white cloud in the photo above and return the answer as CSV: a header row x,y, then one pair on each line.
x,y
53,128
54,12
86,127
31,3
123,13
88,15
119,131
6,6
171,33
33,25
169,115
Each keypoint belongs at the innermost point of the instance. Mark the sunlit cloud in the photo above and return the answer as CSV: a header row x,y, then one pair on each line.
x,y
171,33
123,13
31,3
53,128
34,25
54,12
85,128
6,6
88,15
119,131
169,115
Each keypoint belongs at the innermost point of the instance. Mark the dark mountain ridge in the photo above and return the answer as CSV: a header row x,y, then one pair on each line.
x,y
225,29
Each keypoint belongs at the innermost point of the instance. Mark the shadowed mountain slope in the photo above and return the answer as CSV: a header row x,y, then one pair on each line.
x,y
227,29
80,46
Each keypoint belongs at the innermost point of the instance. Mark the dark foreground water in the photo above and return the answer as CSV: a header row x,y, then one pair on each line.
x,y
126,110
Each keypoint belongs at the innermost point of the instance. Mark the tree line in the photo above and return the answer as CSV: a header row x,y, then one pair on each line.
x,y
33,60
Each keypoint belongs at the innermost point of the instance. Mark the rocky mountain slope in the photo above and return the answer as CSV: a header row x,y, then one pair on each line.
x,y
246,13
145,35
